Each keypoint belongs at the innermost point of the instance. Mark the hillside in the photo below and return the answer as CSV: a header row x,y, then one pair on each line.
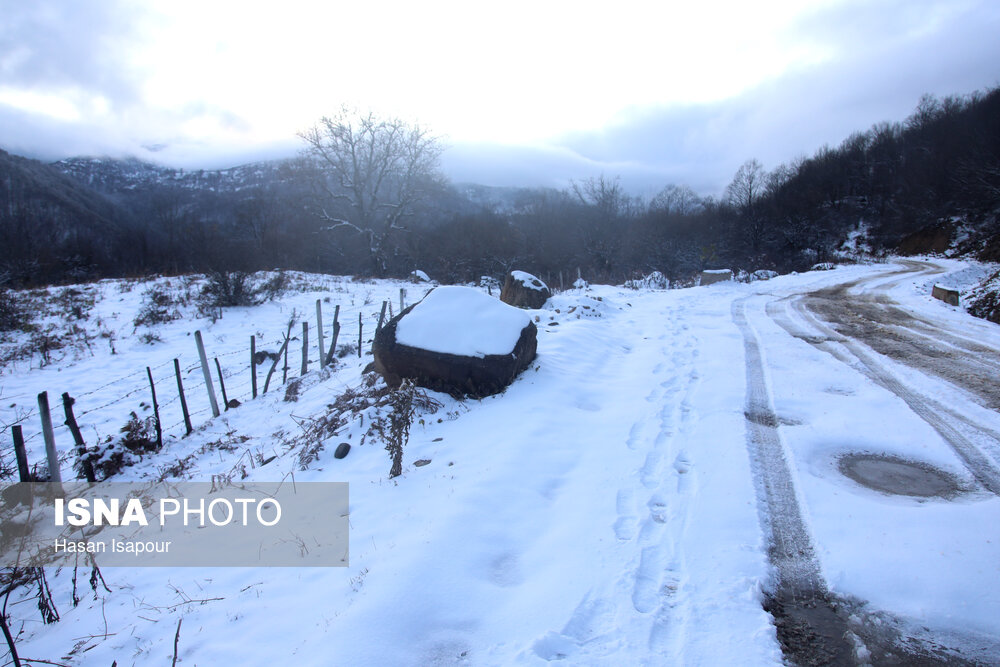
x,y
616,505
51,227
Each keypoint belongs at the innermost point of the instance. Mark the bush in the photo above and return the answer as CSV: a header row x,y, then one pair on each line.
x,y
274,287
111,456
12,314
226,289
158,307
76,304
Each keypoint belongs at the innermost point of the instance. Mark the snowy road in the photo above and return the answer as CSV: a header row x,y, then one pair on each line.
x,y
675,467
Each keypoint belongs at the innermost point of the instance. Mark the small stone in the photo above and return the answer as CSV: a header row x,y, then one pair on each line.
x,y
421,463
342,450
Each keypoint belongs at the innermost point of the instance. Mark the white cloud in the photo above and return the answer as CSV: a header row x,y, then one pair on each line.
x,y
652,88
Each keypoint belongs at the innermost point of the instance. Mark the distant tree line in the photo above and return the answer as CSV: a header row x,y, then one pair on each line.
x,y
366,198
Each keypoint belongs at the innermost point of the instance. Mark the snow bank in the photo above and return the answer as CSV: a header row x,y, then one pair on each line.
x,y
462,321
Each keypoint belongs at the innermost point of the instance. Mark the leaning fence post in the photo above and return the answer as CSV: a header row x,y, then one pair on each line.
x,y
208,375
180,390
253,365
156,409
50,438
381,316
20,453
267,380
319,333
222,383
81,447
336,334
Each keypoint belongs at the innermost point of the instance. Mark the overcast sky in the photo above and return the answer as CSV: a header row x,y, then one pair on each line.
x,y
525,92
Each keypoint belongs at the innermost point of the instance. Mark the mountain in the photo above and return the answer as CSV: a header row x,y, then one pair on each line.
x,y
51,225
120,176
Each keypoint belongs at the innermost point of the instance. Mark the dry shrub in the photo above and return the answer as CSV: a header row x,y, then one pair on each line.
x,y
138,437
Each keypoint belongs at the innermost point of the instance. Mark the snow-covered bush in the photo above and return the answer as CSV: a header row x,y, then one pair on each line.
x,y
138,437
490,283
823,266
158,306
763,274
654,280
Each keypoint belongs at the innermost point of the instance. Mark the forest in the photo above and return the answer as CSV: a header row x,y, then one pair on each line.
x,y
917,185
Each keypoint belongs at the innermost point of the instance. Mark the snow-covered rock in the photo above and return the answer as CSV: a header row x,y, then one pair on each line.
x,y
524,290
763,274
457,340
419,276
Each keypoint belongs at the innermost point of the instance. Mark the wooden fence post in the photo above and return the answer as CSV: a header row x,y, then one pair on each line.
x,y
381,317
402,296
305,347
20,453
283,350
284,367
253,365
336,334
208,374
222,383
319,333
50,438
267,380
180,390
156,410
81,447
361,328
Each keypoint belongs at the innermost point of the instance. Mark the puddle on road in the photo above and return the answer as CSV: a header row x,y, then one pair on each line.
x,y
889,474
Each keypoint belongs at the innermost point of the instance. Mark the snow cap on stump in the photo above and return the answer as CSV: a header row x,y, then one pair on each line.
x,y
456,340
524,290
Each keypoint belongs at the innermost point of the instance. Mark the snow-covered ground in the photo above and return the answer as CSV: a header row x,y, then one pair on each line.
x,y
604,510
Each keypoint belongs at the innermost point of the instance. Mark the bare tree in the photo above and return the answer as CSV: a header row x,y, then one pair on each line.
x,y
606,196
371,173
677,200
744,194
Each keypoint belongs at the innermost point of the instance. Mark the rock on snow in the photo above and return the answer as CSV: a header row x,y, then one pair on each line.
x,y
457,340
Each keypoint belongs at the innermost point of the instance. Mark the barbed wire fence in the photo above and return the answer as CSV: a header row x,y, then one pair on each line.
x,y
131,394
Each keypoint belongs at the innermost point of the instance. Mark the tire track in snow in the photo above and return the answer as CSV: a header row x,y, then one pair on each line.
x,y
888,639
957,429
810,629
